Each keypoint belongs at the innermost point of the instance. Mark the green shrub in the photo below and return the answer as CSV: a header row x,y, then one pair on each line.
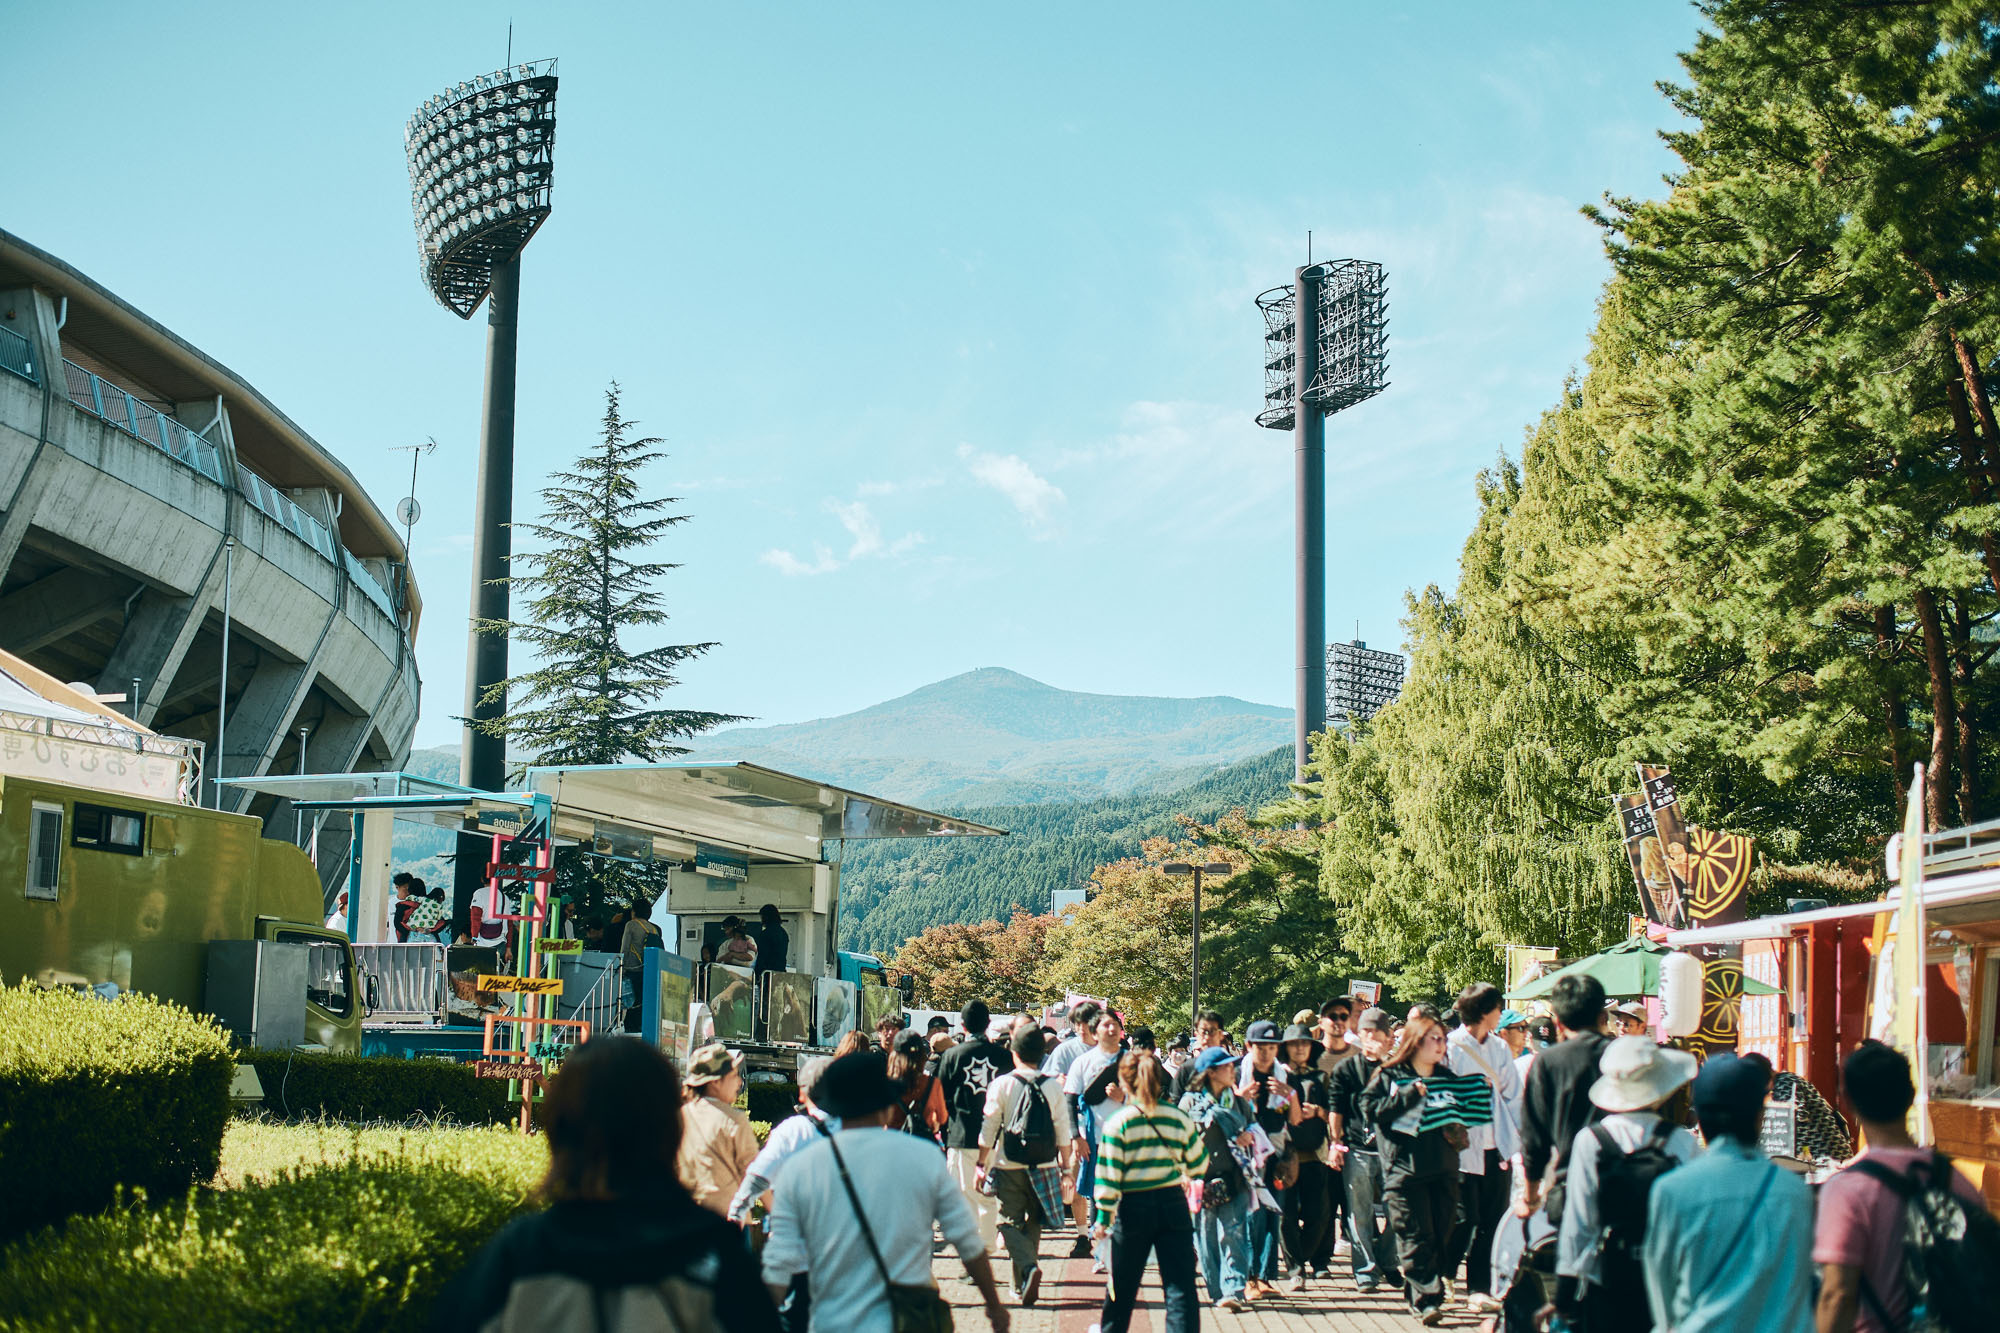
x,y
95,1095
364,1240
770,1102
311,1085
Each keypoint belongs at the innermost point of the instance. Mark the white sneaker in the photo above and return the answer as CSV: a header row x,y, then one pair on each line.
x,y
1478,1302
1298,1282
1232,1304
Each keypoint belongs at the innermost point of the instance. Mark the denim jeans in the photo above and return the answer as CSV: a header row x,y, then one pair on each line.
x,y
1266,1229
1152,1222
1369,1248
1222,1239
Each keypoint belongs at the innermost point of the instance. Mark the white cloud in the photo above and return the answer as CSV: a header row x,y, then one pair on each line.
x,y
785,562
1035,496
864,531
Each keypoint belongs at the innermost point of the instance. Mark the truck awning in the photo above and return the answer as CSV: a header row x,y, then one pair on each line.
x,y
742,807
1953,900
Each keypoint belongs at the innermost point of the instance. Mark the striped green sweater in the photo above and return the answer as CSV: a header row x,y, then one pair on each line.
x,y
1145,1151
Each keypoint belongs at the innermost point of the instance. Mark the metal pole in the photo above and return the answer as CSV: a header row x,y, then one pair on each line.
x,y
1194,988
222,690
483,761
300,835
1309,513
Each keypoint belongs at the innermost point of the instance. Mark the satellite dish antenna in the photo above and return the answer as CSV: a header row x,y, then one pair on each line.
x,y
408,511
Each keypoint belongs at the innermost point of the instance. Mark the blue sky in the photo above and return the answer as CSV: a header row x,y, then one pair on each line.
x,y
946,314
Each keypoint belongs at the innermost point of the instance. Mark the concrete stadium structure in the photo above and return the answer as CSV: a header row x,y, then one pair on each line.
x,y
127,457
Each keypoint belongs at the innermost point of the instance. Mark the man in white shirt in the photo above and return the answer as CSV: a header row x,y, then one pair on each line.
x,y
1485,1178
1029,1193
855,1211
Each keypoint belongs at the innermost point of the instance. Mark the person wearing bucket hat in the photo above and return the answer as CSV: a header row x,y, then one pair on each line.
x,y
854,1211
717,1143
1729,1235
1600,1281
1309,1204
1222,1224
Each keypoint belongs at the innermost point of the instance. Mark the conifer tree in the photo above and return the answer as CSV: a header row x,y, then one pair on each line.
x,y
592,698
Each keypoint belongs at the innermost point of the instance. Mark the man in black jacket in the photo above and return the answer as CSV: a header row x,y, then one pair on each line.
x,y
964,1073
1556,1104
1357,1155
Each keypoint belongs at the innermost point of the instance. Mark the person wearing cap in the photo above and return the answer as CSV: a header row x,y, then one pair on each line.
x,y
1729,1236
1486,1177
1513,1030
1630,1019
738,949
1274,1108
854,1211
717,1143
1029,1194
1309,1203
1599,1283
1222,1227
1356,1153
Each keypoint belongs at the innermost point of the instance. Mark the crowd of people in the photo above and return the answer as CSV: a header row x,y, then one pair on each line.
x,y
1555,1173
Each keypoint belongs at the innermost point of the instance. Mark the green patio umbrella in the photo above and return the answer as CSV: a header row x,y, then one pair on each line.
x,y
1627,970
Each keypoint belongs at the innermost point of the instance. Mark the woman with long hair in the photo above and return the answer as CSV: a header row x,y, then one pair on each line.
x,y
1144,1155
1419,1166
1222,1226
921,1108
621,1245
852,1042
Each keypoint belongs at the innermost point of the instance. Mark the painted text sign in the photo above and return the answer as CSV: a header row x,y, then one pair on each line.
x,y
524,985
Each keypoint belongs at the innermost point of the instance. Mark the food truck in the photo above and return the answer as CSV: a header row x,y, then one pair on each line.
x,y
734,837
117,880
1839,984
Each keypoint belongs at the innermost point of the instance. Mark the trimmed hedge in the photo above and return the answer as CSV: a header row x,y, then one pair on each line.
x,y
364,1242
98,1094
368,1088
770,1102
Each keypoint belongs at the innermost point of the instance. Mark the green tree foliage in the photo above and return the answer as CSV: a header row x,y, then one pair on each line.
x,y
894,889
1754,542
591,698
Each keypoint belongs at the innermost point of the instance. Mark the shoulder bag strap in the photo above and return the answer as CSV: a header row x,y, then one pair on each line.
x,y
867,1232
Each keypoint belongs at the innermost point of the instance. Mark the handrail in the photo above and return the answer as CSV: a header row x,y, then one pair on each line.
x,y
287,512
143,421
18,355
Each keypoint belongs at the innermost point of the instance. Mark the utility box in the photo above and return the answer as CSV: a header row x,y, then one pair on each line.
x,y
257,989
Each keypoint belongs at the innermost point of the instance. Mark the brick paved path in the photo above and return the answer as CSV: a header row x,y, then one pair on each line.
x,y
1071,1297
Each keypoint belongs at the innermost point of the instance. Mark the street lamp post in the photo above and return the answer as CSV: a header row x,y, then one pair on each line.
x,y
1184,868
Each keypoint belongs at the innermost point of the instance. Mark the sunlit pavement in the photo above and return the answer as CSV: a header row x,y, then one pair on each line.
x,y
1072,1296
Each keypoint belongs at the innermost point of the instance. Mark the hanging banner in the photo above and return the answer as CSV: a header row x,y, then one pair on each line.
x,y
1898,1016
1657,897
1671,831
1718,882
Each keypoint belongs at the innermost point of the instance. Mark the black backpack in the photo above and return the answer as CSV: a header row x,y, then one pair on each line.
x,y
1624,1186
1951,1250
1029,1136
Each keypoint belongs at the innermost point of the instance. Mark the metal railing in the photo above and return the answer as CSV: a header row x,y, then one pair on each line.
x,y
286,511
18,355
142,420
370,587
101,755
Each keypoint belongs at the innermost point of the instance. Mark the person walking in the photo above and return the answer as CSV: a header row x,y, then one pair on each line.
x,y
785,1141
1419,1166
621,1247
921,1108
1485,1183
855,1211
1555,1102
1208,1032
1145,1153
1222,1226
1858,1240
1083,1018
717,1143
1092,1087
1022,1149
1357,1154
1274,1109
964,1073
1729,1236
1309,1203
1600,1277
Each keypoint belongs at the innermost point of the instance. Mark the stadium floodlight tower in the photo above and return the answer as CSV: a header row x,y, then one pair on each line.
x,y
481,161
1325,349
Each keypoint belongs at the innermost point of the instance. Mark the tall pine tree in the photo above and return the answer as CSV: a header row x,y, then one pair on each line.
x,y
592,698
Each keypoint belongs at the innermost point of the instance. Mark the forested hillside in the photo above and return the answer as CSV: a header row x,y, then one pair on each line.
x,y
893,890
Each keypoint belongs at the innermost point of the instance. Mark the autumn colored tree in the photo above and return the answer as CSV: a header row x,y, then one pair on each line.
x,y
1006,966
